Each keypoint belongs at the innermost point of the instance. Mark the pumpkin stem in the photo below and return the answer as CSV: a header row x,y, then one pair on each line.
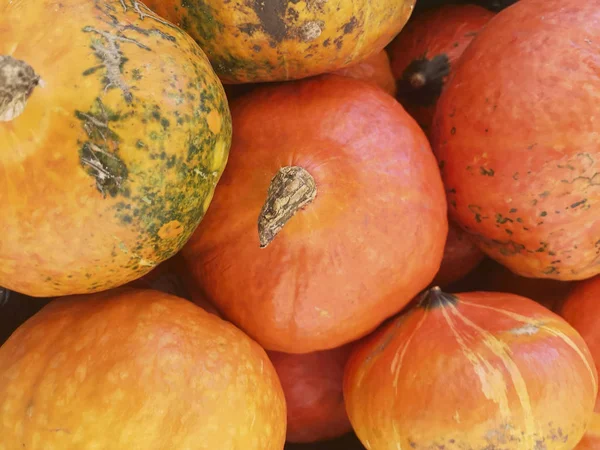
x,y
423,80
290,190
17,82
435,298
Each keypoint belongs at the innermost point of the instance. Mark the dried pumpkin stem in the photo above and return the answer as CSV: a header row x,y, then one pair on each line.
x,y
17,82
423,80
435,298
290,190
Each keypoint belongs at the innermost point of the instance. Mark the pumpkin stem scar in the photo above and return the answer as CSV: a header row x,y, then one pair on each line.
x,y
290,190
435,298
17,82
423,80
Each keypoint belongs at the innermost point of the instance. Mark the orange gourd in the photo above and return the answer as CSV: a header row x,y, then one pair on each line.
x,y
317,214
142,369
473,370
375,69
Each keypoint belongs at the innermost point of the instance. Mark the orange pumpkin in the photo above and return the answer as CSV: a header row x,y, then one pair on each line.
x,y
516,136
112,140
591,439
473,370
492,276
131,368
461,256
250,41
317,214
424,53
582,310
375,69
312,384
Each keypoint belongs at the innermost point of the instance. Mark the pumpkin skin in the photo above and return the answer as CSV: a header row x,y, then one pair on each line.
x,y
375,69
144,131
312,384
255,41
581,309
330,275
429,46
473,370
148,366
591,439
461,256
523,176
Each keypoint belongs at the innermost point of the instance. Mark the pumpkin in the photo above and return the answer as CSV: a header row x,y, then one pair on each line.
x,y
277,40
461,256
317,214
515,135
472,370
15,309
113,139
376,69
581,309
492,276
591,439
426,50
312,384
132,368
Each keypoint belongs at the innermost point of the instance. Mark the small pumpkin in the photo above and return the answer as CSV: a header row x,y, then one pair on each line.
x,y
131,368
250,41
317,213
375,69
581,309
472,370
516,137
461,256
312,384
114,131
424,53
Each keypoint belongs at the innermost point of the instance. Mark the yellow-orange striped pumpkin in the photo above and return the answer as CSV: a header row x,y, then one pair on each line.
x,y
478,370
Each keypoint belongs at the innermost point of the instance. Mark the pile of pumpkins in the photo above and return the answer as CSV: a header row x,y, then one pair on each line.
x,y
305,224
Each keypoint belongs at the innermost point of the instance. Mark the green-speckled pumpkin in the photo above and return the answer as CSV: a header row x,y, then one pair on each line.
x,y
275,40
114,131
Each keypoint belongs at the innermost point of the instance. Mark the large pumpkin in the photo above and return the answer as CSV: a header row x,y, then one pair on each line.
x,y
329,217
461,256
375,69
516,134
477,370
312,384
136,369
582,310
276,40
424,53
114,131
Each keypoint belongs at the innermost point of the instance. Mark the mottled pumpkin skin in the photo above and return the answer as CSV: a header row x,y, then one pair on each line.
x,y
114,161
277,40
443,31
136,369
371,239
461,256
581,309
474,371
516,135
312,384
374,69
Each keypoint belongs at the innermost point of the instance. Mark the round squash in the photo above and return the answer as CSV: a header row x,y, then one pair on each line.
x,y
249,41
461,256
516,137
312,384
426,50
329,217
375,69
581,309
114,131
474,370
142,369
